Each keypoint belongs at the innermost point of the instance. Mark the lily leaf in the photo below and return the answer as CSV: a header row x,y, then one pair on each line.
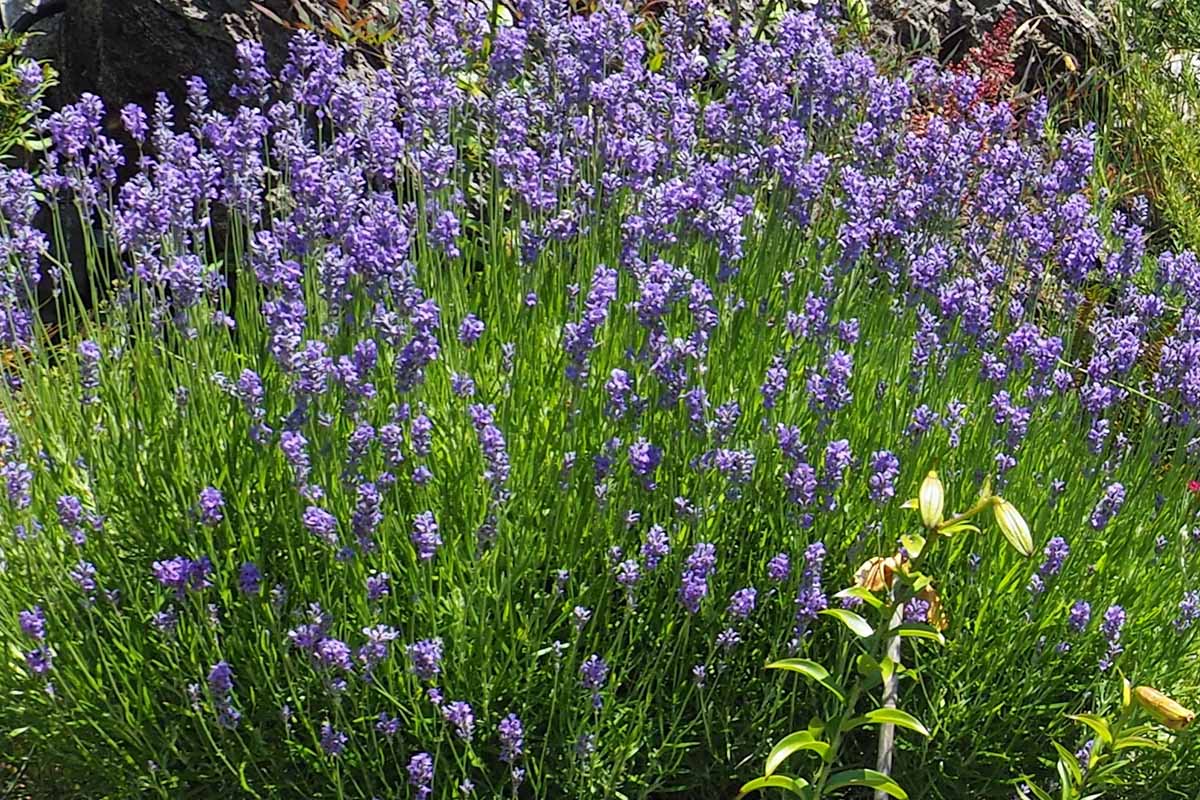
x,y
812,670
794,743
857,625
797,786
866,777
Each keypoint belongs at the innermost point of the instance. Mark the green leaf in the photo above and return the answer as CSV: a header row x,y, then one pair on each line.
x,y
866,777
857,625
867,665
893,716
862,594
810,669
793,743
887,668
958,527
797,786
1126,742
1068,761
914,543
1033,787
1097,724
920,630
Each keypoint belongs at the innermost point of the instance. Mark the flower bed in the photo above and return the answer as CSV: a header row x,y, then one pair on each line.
x,y
490,419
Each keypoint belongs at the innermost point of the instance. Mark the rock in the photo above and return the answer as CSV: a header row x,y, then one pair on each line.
x,y
12,10
128,51
948,28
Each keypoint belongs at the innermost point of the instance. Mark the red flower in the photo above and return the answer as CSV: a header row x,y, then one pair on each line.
x,y
1194,487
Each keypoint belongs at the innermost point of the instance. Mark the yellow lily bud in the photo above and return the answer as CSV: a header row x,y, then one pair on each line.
x,y
931,499
1163,708
1013,526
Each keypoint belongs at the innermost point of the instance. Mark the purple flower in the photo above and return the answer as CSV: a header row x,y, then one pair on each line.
x,y
923,418
333,741
333,653
84,574
253,79
810,598
322,524
470,330
916,610
644,459
18,481
1110,504
628,573
1084,755
211,505
462,385
183,575
656,547
293,445
830,392
728,639
779,568
774,383
426,658
700,564
166,620
378,586
89,371
593,675
387,725
579,338
460,715
367,516
425,536
249,579
885,468
33,623
741,604
1189,611
70,511
580,616
134,120
1056,553
512,739
1110,627
493,445
39,661
420,775
220,687
376,649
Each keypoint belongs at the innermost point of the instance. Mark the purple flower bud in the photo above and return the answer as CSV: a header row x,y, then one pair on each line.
x,y
211,505
249,579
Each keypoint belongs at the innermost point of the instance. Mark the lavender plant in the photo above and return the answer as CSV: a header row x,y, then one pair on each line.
x,y
548,373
